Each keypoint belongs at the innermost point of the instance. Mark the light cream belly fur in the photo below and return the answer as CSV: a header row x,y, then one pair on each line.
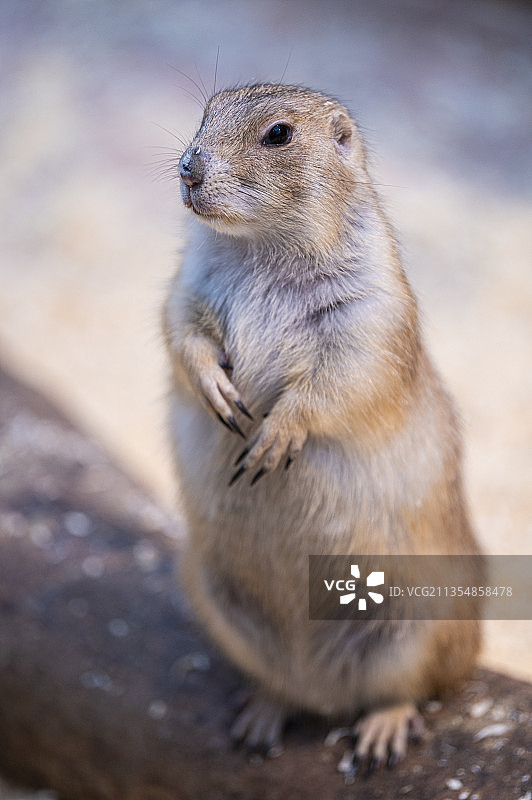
x,y
247,575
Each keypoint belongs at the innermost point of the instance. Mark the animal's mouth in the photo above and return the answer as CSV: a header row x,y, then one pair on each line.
x,y
187,199
213,214
192,202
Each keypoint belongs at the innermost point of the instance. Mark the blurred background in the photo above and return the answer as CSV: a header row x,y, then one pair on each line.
x,y
93,105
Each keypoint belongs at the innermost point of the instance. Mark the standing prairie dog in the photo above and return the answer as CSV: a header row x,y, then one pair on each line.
x,y
291,323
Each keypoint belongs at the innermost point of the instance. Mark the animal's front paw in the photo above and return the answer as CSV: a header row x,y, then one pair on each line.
x,y
280,437
220,395
207,370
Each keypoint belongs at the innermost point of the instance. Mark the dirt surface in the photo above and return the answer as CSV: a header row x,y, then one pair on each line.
x,y
109,690
90,235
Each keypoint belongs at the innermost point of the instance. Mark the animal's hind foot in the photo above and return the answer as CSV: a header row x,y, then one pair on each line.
x,y
259,725
380,738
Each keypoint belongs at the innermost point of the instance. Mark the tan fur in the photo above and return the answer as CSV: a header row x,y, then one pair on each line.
x,y
294,284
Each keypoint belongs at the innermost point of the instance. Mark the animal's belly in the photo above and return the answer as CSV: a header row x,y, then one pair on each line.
x,y
312,503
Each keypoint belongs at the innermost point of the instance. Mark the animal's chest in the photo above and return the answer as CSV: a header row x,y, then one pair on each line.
x,y
264,342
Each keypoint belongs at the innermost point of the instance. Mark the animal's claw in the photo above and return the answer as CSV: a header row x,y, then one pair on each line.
x,y
258,476
241,407
237,475
242,455
235,426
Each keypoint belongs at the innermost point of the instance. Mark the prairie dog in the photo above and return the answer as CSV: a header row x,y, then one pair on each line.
x,y
291,323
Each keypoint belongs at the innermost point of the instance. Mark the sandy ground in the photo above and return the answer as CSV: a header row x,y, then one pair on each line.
x,y
91,224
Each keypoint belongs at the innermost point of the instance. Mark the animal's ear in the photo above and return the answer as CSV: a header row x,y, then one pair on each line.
x,y
342,129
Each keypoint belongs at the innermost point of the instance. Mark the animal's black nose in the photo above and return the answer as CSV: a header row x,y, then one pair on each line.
x,y
192,166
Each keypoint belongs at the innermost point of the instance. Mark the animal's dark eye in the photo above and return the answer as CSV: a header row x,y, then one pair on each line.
x,y
279,134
